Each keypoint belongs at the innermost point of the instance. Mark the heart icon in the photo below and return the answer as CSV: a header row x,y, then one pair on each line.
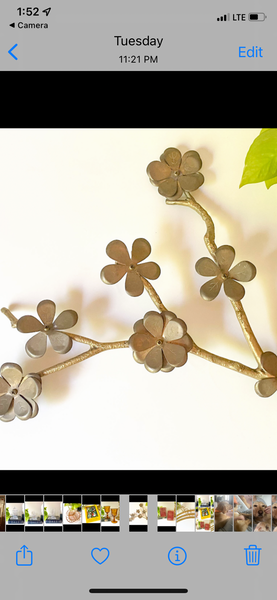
x,y
95,553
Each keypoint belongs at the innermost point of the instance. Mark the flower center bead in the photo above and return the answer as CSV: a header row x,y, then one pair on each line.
x,y
14,392
175,174
132,267
159,342
46,328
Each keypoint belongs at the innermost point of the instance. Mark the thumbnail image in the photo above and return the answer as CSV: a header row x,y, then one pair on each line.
x,y
224,513
204,512
274,513
185,513
138,513
72,513
91,513
33,513
2,513
15,513
243,513
110,514
166,513
262,512
53,514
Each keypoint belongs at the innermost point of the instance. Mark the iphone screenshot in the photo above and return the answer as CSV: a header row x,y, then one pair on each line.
x,y
138,328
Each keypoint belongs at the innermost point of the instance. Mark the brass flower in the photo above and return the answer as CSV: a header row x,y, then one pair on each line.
x,y
125,265
267,386
160,341
61,342
18,393
174,174
243,271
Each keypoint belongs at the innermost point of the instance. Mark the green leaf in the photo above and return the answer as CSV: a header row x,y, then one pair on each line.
x,y
261,159
270,182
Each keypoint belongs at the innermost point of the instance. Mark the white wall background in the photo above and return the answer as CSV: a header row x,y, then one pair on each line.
x,y
65,194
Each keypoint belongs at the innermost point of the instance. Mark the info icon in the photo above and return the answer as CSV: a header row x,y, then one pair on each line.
x,y
177,556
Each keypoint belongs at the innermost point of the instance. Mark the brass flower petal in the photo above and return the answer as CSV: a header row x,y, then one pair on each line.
x,y
130,266
133,284
60,341
5,402
66,319
207,267
140,250
20,393
149,270
175,174
4,386
174,330
160,341
211,289
191,162
118,252
269,363
22,408
12,373
46,310
175,355
36,345
29,324
266,387
154,323
158,171
154,360
172,156
233,290
30,387
111,274
243,271
225,256
9,416
168,188
192,182
141,342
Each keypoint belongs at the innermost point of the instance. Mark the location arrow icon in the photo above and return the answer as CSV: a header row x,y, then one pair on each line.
x,y
11,53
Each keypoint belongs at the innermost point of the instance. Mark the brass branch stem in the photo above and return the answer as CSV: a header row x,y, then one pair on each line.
x,y
153,295
247,330
209,239
77,359
10,316
227,363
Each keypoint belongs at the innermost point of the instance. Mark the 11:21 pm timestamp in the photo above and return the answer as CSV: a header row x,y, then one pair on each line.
x,y
138,59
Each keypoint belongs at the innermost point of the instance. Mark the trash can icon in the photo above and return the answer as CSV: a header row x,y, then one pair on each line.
x,y
252,555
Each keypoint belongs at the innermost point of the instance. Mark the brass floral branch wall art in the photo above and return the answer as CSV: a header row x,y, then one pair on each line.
x,y
160,340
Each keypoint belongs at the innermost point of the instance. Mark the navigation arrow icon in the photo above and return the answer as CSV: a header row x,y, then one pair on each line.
x,y
12,24
10,52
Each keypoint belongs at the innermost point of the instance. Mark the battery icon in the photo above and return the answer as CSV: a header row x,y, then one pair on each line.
x,y
256,16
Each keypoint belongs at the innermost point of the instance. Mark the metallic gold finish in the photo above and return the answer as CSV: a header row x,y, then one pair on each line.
x,y
222,275
266,387
160,341
18,393
126,265
48,328
174,174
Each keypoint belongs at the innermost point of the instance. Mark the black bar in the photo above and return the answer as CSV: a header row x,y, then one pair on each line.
x,y
166,528
91,526
186,498
138,528
109,498
170,498
138,498
72,527
14,499
91,499
109,528
138,591
53,528
35,528
33,498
